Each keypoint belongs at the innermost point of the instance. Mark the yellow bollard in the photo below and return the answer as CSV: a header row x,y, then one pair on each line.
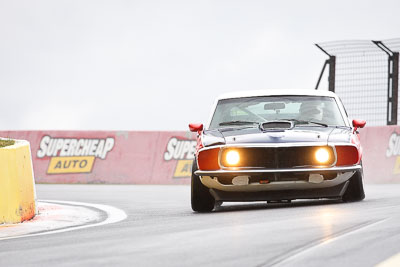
x,y
17,186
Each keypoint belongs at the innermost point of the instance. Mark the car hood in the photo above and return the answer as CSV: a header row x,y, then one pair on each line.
x,y
254,135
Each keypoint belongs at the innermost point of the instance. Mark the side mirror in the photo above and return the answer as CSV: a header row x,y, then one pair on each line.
x,y
196,127
358,124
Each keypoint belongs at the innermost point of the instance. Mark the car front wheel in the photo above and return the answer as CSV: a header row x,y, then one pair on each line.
x,y
202,200
355,189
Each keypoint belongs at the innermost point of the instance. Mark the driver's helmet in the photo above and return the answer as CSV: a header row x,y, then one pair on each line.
x,y
310,110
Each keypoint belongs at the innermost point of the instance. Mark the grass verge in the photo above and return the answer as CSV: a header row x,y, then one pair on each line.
x,y
6,142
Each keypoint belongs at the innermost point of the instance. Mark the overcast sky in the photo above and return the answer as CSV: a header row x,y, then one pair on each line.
x,y
158,65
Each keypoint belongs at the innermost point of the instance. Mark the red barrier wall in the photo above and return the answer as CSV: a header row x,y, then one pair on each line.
x,y
110,157
163,157
381,154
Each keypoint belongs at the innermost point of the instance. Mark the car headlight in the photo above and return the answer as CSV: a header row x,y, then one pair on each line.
x,y
322,155
232,157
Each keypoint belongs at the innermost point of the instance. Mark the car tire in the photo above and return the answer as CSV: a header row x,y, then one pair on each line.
x,y
202,200
355,189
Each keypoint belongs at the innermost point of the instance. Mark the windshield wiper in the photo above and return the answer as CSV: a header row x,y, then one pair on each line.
x,y
237,123
307,122
313,122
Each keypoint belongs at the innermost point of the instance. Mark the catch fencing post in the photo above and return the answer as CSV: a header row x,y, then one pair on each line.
x,y
393,83
332,70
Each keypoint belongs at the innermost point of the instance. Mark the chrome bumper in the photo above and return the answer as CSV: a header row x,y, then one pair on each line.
x,y
231,172
210,179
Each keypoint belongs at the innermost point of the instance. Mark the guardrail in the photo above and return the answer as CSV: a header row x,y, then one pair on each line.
x,y
17,186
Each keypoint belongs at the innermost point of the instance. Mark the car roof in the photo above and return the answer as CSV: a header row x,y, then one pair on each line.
x,y
275,92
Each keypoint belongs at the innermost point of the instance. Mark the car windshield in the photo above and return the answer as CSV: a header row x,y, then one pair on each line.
x,y
302,110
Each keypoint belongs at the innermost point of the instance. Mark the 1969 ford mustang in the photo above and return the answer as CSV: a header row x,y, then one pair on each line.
x,y
277,146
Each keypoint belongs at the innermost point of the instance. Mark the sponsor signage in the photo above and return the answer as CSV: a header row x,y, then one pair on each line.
x,y
381,154
73,155
116,157
393,151
182,151
148,157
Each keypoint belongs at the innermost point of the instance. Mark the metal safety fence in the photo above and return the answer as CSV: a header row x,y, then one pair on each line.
x,y
365,74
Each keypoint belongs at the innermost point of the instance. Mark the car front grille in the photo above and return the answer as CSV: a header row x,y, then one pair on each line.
x,y
277,157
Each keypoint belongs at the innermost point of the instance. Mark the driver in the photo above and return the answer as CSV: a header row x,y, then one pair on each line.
x,y
310,111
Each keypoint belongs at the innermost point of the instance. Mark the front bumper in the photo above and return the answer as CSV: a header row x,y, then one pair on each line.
x,y
231,172
335,192
210,179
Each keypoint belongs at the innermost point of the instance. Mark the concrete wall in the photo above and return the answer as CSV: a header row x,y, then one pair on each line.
x,y
110,156
381,154
134,157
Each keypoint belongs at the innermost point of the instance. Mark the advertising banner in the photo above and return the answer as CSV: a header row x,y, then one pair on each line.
x,y
119,157
145,157
381,154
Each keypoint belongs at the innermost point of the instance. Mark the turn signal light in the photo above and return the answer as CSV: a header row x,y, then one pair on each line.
x,y
208,159
347,155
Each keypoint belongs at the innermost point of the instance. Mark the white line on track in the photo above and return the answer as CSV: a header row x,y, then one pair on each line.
x,y
393,261
302,250
113,215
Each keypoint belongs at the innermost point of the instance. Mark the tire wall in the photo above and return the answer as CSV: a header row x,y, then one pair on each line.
x,y
135,157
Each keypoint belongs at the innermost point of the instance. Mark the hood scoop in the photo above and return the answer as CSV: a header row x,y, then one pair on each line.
x,y
276,126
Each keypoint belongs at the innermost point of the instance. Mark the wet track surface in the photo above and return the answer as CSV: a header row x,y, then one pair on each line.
x,y
162,230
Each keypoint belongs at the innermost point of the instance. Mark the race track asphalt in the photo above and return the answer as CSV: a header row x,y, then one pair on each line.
x,y
162,230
